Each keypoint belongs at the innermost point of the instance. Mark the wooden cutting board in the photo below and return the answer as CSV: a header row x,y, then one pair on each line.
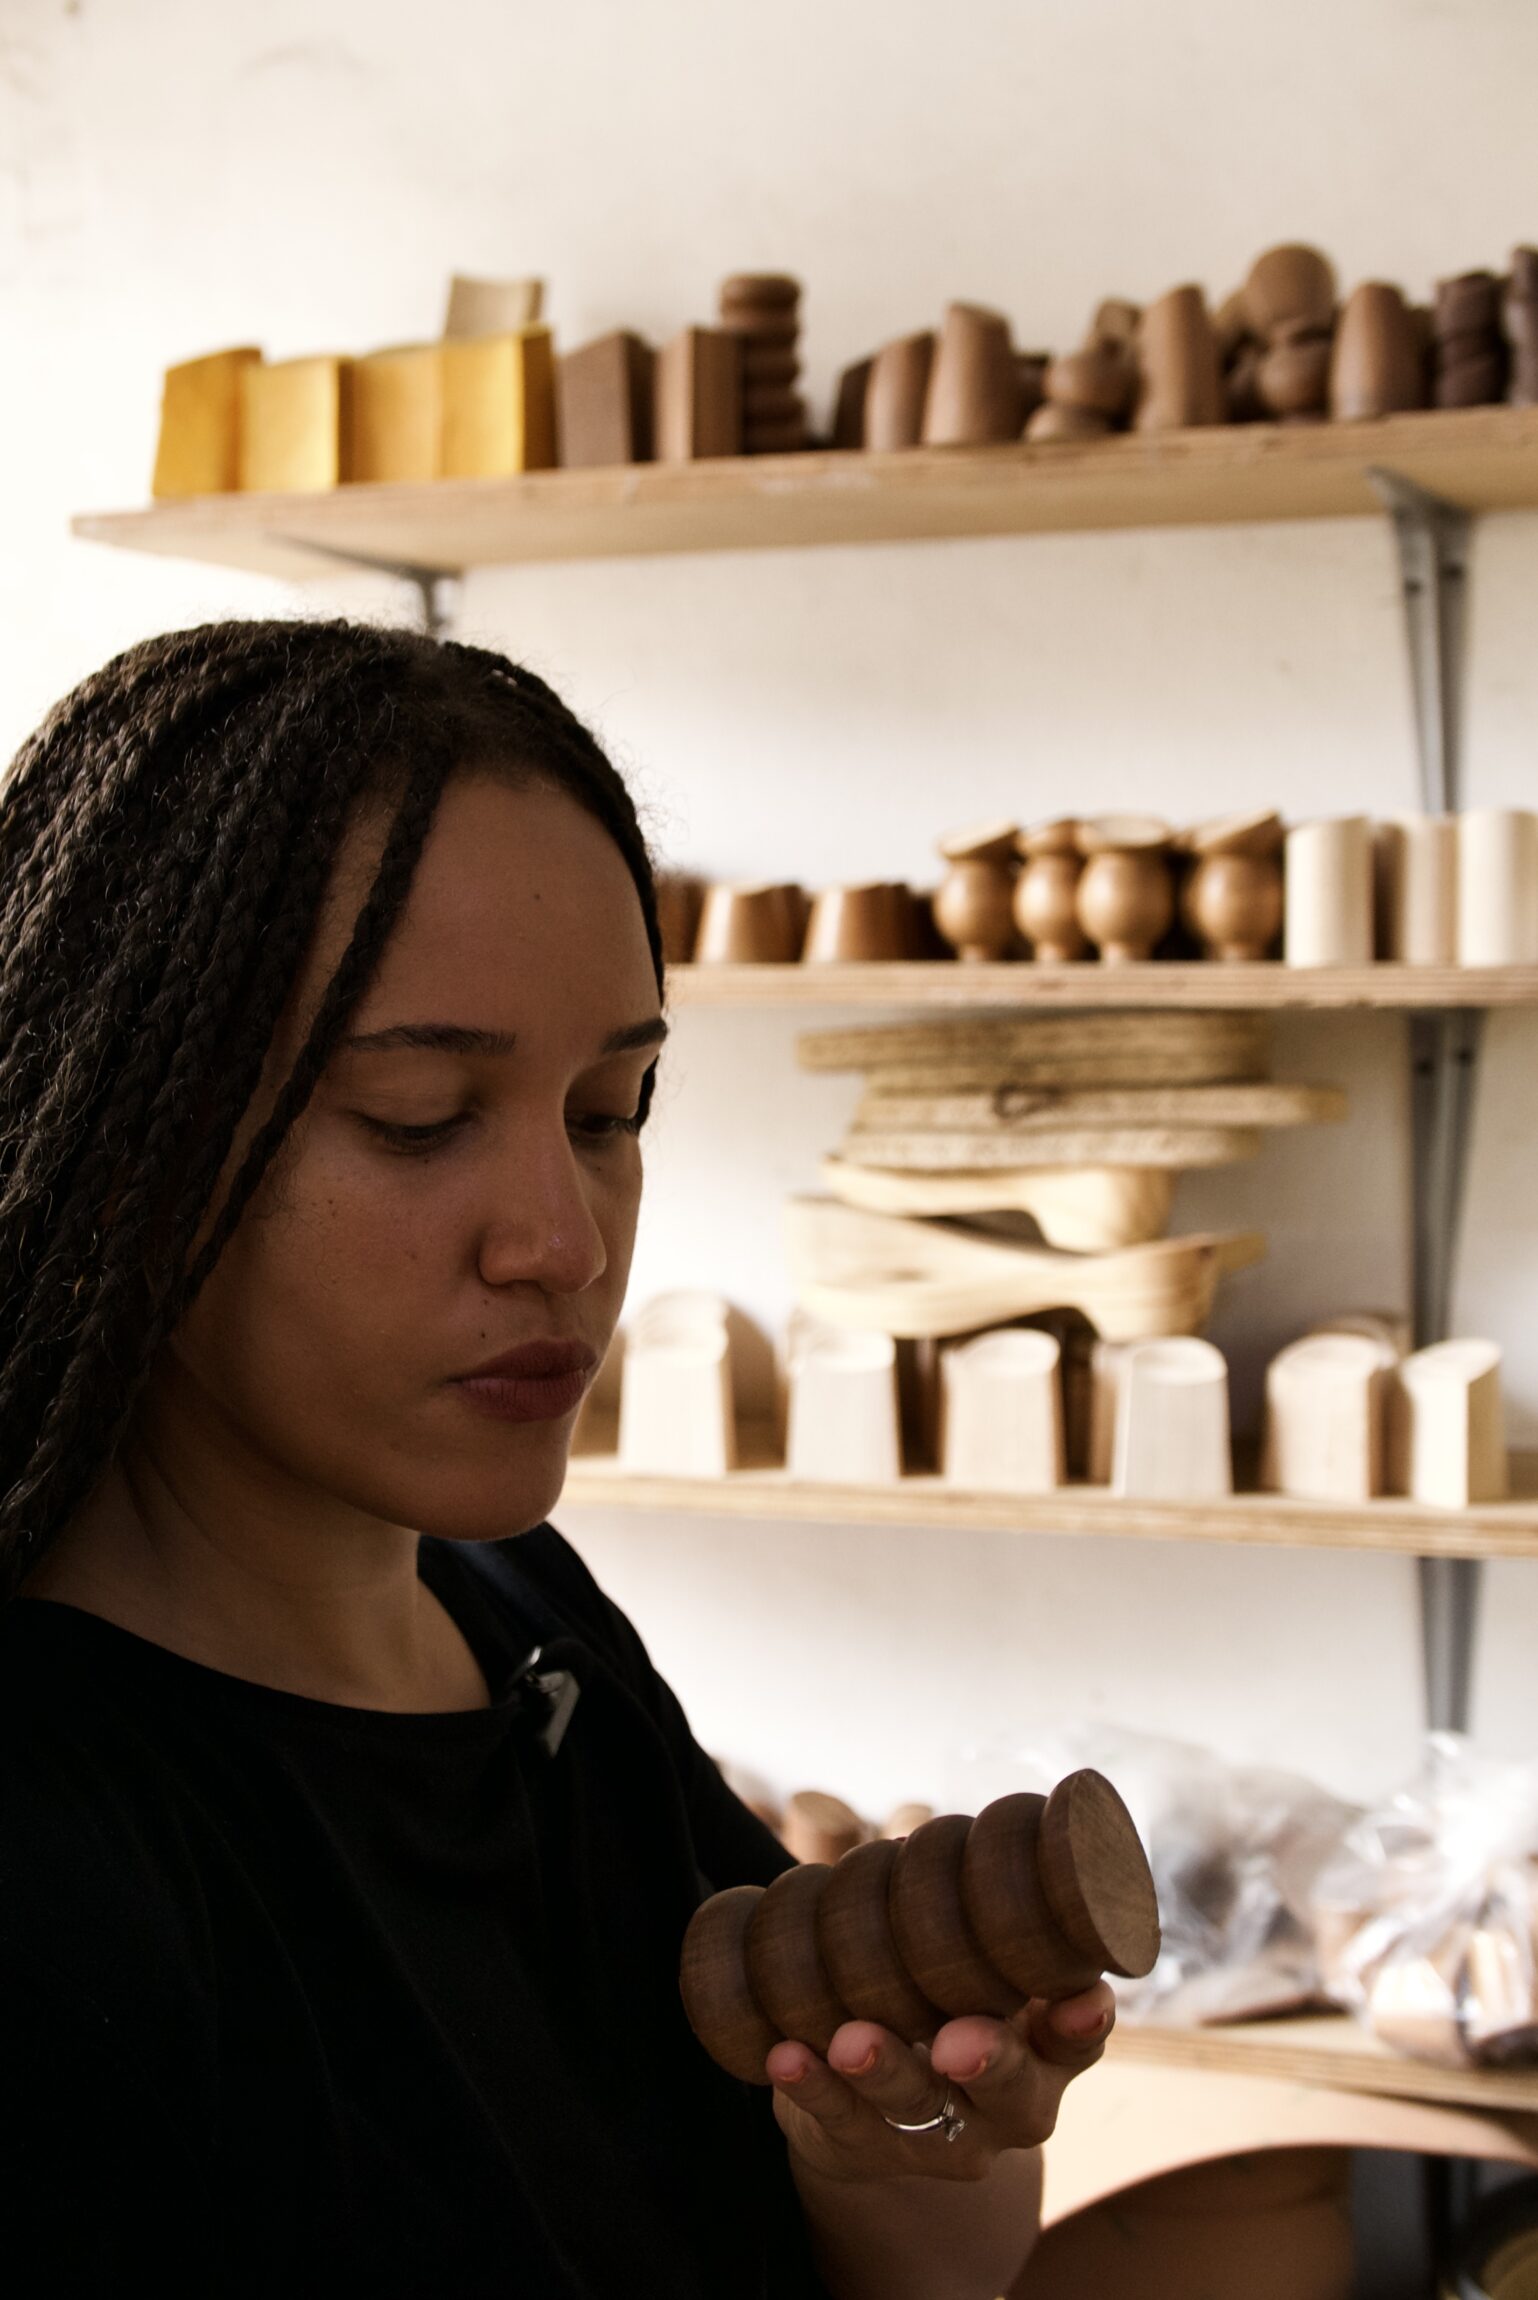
x,y
1038,1109
915,1279
1102,1049
1085,1209
1174,1146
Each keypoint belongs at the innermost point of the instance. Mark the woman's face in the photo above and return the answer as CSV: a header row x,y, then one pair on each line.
x,y
464,1182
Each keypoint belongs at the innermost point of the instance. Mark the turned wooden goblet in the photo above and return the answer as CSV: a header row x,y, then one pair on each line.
x,y
1036,1897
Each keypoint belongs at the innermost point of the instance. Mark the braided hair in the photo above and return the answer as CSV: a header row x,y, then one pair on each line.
x,y
166,838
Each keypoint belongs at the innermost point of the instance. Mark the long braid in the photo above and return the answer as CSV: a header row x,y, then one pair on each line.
x,y
166,841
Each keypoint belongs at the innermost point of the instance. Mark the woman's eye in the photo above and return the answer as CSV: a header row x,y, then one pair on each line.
x,y
599,1126
411,1140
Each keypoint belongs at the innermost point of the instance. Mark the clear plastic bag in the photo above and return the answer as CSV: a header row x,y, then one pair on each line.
x,y
1427,1915
1234,1851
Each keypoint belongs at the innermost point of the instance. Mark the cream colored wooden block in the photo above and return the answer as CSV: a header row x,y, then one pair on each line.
x,y
293,425
676,1414
1001,1405
1172,1437
1326,1411
1498,887
1390,1327
1447,1440
1329,880
842,1420
396,431
1415,891
199,447
498,405
492,307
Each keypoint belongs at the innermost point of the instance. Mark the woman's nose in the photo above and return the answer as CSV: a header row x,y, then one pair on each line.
x,y
540,1227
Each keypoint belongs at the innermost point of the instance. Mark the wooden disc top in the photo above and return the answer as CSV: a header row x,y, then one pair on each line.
x,y
1096,1877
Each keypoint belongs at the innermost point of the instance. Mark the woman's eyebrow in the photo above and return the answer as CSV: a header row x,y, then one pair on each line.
x,y
456,1038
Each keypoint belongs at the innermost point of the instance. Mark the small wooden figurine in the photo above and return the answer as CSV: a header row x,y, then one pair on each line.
x,y
1125,897
1232,898
1497,887
849,404
604,394
1447,1442
1329,870
974,907
498,404
1520,314
1002,1413
816,1826
974,396
754,924
492,307
199,446
896,393
294,424
860,925
1378,364
1182,378
1172,1439
676,1412
1415,890
1036,1897
1289,307
763,311
1046,892
698,403
1091,391
843,1425
1326,1408
1470,362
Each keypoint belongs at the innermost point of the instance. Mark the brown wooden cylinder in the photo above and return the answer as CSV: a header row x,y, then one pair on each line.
x,y
1001,1891
929,1924
713,1980
785,1971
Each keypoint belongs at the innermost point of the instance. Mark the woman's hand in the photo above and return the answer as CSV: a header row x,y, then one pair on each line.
x,y
1006,2077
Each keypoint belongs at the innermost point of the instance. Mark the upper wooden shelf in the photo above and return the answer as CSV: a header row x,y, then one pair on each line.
x,y
947,983
1484,459
763,1491
1326,2049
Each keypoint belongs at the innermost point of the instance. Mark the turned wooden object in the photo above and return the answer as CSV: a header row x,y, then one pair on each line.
x,y
1126,896
974,396
1288,303
1377,366
1036,1897
1469,358
895,393
1046,892
1497,904
763,311
1232,899
1520,313
974,908
1182,377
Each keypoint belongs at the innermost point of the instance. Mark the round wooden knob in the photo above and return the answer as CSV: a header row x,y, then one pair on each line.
x,y
859,1948
1096,1877
785,1971
929,1923
713,1980
1004,1896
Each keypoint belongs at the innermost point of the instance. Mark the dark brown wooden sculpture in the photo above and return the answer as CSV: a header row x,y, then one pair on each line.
x,y
1036,1897
1470,361
1520,312
763,310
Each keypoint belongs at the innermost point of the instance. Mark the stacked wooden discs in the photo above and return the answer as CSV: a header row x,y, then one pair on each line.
x,y
762,309
1289,308
1036,1897
1470,358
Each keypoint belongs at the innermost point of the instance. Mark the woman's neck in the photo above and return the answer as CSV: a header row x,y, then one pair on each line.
x,y
322,1602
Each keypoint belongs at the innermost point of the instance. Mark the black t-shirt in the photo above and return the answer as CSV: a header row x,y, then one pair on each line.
x,y
300,1999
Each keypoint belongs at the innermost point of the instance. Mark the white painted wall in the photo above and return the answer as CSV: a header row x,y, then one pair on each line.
x,y
174,175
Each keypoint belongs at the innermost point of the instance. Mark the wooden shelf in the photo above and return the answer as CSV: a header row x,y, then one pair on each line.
x,y
1325,2049
945,983
1485,459
764,1492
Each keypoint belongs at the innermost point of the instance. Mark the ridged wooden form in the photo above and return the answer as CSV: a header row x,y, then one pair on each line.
x,y
1036,1897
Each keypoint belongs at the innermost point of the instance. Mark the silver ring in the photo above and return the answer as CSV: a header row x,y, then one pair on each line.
x,y
947,2121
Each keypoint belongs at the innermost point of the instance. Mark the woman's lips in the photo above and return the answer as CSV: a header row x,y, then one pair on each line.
x,y
536,1383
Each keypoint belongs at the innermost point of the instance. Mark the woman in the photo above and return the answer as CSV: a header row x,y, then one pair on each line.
x,y
343,1925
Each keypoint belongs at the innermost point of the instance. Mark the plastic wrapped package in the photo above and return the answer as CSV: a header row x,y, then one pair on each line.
x,y
1235,1851
1427,1917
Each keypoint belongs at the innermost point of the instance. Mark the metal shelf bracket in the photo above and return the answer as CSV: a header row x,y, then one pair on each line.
x,y
1433,539
436,591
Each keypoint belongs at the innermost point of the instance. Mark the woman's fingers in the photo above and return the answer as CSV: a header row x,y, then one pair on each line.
x,y
888,2075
